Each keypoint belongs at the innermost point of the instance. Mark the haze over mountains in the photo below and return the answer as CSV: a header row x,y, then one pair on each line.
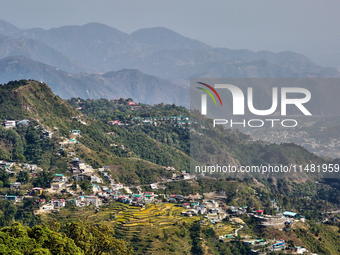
x,y
68,57
124,83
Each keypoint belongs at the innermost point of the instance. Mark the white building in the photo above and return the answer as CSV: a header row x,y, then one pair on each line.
x,y
96,179
117,186
94,200
154,186
58,185
95,188
48,207
186,176
75,132
58,203
9,123
300,250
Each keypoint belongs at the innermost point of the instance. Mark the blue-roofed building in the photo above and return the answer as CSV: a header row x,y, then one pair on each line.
x,y
12,198
289,214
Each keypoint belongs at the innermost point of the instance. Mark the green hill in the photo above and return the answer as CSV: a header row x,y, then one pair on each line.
x,y
32,99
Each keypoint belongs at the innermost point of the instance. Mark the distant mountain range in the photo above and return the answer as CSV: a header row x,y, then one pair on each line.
x,y
79,51
124,83
38,51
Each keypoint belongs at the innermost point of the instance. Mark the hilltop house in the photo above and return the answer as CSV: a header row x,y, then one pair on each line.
x,y
131,103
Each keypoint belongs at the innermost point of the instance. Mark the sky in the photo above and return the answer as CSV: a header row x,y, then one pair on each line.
x,y
310,27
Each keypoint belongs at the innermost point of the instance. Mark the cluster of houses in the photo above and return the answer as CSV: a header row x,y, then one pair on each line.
x,y
210,208
14,123
164,118
257,245
8,167
178,120
56,204
176,176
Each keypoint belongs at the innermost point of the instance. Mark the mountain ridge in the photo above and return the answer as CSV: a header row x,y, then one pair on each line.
x,y
157,51
38,51
124,83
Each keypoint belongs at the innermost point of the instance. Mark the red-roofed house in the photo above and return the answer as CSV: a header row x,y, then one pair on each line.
x,y
113,122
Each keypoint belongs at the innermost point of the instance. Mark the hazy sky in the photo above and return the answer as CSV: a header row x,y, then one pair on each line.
x,y
311,27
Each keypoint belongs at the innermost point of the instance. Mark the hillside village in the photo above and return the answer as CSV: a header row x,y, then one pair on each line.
x,y
214,211
76,183
103,189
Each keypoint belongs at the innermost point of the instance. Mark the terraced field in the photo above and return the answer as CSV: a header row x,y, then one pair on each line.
x,y
126,219
223,229
162,216
130,221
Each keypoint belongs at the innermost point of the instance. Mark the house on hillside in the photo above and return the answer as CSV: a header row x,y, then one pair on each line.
x,y
15,185
58,203
300,250
169,168
96,179
75,132
96,201
23,122
154,186
47,208
77,162
131,103
47,134
186,176
37,191
95,188
9,123
114,122
289,214
58,186
117,186
12,198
